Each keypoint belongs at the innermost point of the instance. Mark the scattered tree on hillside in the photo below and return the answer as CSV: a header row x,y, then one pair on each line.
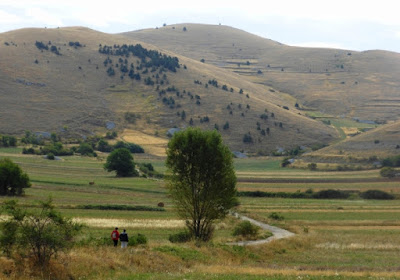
x,y
149,58
41,46
55,50
202,180
247,138
226,126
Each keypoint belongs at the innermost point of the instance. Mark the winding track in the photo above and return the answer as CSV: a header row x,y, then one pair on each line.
x,y
278,233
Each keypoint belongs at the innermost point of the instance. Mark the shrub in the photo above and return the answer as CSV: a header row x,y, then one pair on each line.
x,y
276,216
285,162
312,166
50,156
376,194
180,237
85,149
160,204
138,239
246,229
38,235
331,194
28,151
388,172
133,148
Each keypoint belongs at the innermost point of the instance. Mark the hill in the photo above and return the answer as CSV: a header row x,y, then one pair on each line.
x,y
376,144
79,82
345,83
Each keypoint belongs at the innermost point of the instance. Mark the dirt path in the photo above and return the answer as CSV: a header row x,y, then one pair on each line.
x,y
278,233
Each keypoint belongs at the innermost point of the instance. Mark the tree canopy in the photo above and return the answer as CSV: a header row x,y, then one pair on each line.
x,y
201,179
121,161
13,180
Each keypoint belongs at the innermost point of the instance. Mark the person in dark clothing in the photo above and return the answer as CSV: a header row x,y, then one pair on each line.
x,y
115,236
123,237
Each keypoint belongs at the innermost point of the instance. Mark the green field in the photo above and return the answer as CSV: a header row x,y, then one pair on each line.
x,y
353,238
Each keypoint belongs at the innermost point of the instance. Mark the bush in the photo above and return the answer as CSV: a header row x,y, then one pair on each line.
x,y
28,151
180,237
285,162
388,172
50,156
331,194
133,148
85,149
312,166
276,216
138,239
246,229
40,235
376,194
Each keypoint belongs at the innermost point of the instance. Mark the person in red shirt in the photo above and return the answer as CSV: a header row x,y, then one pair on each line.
x,y
115,236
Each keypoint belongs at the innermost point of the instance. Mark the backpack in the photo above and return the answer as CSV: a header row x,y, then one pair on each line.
x,y
114,235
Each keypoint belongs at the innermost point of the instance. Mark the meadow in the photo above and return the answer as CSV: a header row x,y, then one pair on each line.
x,y
335,239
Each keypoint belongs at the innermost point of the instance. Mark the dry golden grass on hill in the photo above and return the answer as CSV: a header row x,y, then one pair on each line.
x,y
339,82
381,142
71,94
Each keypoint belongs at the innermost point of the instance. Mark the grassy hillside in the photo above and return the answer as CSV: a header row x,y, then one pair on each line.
x,y
379,143
57,80
347,83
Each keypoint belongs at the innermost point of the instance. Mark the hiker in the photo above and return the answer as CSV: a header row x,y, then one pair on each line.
x,y
124,239
115,236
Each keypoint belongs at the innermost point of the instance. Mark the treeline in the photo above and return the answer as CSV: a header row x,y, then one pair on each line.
x,y
120,207
8,141
323,194
393,161
54,147
150,58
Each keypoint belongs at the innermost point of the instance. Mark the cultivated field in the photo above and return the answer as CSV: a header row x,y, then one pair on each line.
x,y
335,239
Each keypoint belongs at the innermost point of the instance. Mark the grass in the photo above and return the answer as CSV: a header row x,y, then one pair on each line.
x,y
335,239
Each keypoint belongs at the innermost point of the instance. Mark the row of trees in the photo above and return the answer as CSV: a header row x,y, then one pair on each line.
x,y
8,141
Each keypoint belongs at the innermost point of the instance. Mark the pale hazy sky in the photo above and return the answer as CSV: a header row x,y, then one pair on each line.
x,y
347,24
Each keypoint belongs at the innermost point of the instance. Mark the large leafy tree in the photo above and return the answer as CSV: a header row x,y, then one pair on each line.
x,y
121,161
201,179
12,179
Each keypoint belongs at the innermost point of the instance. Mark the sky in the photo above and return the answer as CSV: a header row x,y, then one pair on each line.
x,y
345,24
